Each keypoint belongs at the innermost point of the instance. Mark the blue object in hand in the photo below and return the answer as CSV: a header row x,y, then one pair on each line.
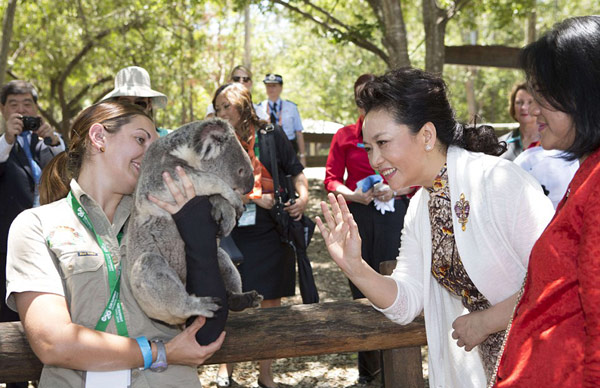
x,y
366,183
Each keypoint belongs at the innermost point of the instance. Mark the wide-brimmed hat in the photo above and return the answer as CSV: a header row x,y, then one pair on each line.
x,y
135,81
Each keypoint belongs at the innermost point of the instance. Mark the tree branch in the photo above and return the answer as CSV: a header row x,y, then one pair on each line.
x,y
346,35
328,15
90,44
377,10
450,12
84,91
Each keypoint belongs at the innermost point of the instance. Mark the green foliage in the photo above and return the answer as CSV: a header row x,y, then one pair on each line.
x,y
190,46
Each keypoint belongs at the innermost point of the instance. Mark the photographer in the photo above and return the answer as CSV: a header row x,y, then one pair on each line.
x,y
27,144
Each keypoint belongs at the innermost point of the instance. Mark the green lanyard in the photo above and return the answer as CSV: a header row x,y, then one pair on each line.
x,y
114,306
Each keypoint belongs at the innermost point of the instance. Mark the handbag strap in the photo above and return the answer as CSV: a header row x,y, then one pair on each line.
x,y
269,142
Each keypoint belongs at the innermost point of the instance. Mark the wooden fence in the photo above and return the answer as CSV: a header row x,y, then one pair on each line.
x,y
293,331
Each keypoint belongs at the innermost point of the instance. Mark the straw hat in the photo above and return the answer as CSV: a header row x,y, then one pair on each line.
x,y
135,81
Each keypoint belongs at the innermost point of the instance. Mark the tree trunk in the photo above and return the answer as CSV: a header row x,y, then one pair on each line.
x,y
395,38
7,29
472,106
531,24
434,21
247,38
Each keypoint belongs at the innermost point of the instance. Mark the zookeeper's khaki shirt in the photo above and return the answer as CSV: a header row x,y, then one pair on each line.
x,y
51,251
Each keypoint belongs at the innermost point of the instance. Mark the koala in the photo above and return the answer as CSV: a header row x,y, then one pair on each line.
x,y
219,168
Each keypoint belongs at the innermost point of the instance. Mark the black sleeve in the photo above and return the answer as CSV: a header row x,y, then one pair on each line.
x,y
199,232
286,156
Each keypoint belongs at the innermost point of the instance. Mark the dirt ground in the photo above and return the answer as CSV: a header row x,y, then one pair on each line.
x,y
333,370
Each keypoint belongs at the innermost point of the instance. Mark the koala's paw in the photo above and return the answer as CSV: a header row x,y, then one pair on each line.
x,y
203,305
239,302
223,213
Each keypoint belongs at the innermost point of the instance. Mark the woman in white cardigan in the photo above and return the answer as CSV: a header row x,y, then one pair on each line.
x,y
467,234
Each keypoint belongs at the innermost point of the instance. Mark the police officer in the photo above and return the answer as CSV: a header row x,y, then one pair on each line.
x,y
284,113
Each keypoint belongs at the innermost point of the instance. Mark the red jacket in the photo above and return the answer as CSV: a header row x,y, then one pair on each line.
x,y
347,153
554,340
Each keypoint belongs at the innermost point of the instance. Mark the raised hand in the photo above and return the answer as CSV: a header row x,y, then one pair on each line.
x,y
341,234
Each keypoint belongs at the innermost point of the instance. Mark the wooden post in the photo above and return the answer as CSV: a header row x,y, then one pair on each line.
x,y
402,367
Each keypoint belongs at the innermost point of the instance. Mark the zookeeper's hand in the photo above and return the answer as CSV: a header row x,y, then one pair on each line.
x,y
341,235
266,201
470,330
296,209
180,197
184,350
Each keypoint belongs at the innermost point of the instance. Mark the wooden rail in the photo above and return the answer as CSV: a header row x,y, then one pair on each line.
x,y
293,331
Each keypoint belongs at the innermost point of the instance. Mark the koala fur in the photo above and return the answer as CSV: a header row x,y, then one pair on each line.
x,y
219,167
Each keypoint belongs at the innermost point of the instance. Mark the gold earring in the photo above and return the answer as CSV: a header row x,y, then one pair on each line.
x,y
102,149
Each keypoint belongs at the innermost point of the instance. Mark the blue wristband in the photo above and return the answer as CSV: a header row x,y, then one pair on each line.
x,y
146,351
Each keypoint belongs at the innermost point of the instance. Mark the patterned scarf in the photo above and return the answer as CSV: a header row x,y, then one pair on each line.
x,y
263,181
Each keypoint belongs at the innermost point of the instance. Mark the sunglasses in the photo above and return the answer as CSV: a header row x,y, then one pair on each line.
x,y
141,103
241,79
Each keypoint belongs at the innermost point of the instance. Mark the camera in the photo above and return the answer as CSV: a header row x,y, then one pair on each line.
x,y
31,123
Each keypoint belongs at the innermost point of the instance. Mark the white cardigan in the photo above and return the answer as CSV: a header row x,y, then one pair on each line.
x,y
508,212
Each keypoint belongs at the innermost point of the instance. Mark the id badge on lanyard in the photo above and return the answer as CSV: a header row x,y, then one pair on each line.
x,y
248,217
114,309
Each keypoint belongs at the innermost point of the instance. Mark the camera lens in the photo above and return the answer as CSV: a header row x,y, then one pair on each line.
x,y
31,123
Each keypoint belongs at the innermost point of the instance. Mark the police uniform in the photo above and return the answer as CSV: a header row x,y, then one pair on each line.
x,y
283,112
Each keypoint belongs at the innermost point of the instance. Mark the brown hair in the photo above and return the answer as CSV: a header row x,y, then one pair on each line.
x,y
513,97
242,68
360,81
241,99
66,165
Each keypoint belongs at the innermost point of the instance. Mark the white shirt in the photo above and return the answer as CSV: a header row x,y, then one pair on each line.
x,y
508,212
548,167
5,148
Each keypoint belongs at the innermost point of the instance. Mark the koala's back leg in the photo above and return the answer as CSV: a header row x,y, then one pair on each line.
x,y
236,299
161,294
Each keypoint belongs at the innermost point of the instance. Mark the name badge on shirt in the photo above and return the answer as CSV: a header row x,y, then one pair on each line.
x,y
113,379
248,217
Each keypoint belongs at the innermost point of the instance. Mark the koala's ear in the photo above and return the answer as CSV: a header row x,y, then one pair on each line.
x,y
210,140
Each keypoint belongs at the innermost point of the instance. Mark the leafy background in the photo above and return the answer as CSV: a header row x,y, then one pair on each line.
x,y
71,50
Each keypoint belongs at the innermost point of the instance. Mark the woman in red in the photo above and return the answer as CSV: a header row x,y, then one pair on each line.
x,y
554,340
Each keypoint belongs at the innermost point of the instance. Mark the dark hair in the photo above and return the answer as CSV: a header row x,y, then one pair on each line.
x,y
513,97
563,68
241,99
17,87
66,165
415,97
360,81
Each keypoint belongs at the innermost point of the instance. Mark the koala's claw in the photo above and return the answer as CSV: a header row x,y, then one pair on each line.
x,y
239,302
223,213
203,305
